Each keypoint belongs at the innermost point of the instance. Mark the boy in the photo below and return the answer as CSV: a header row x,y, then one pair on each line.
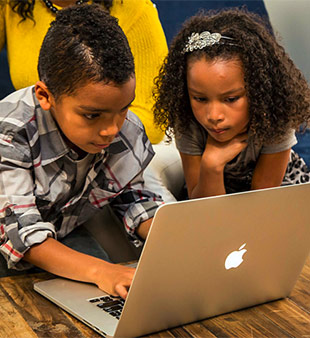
x,y
69,146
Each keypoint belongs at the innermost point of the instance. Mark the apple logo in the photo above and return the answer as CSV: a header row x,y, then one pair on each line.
x,y
234,259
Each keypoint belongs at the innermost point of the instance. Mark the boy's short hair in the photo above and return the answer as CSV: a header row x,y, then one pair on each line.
x,y
84,44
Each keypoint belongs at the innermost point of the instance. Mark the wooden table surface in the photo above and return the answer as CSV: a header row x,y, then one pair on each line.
x,y
24,313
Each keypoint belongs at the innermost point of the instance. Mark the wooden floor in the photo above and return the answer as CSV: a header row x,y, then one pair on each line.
x,y
24,313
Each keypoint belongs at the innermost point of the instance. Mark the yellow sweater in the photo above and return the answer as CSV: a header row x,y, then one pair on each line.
x,y
140,23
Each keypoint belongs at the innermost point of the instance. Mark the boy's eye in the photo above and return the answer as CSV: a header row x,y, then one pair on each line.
x,y
199,99
91,116
125,110
232,99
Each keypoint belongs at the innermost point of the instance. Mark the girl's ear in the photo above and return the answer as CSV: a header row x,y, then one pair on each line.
x,y
43,95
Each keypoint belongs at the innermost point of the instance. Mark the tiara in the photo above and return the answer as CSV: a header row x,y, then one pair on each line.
x,y
202,40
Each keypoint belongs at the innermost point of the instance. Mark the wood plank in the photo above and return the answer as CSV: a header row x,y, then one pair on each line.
x,y
301,294
179,332
85,330
288,316
12,324
198,330
42,316
162,334
245,323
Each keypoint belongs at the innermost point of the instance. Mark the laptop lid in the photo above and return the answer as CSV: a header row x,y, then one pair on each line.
x,y
214,255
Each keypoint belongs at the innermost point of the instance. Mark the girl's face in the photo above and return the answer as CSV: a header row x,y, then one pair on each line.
x,y
217,96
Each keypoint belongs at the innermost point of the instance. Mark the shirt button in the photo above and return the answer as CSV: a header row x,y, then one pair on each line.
x,y
8,212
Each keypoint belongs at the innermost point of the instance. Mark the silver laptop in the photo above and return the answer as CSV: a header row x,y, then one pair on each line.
x,y
202,258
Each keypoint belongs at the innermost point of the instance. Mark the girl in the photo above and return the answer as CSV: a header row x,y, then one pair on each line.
x,y
237,99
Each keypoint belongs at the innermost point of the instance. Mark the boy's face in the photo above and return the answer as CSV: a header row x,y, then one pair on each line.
x,y
91,117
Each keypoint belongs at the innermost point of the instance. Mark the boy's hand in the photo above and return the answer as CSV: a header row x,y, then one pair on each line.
x,y
115,279
217,154
61,260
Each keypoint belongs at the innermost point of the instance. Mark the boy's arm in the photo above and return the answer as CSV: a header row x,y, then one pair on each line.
x,y
25,238
270,170
61,260
143,228
136,208
24,227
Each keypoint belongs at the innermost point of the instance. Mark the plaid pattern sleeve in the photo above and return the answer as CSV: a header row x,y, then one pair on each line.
x,y
19,215
124,169
38,178
135,205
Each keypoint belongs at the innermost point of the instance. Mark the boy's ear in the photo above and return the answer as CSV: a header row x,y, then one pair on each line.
x,y
43,95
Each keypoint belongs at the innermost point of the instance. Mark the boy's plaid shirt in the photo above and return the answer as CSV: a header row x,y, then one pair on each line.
x,y
38,174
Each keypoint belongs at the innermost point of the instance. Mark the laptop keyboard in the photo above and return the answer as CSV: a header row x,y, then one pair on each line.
x,y
111,305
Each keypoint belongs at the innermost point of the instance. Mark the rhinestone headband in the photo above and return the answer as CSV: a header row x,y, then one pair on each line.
x,y
202,40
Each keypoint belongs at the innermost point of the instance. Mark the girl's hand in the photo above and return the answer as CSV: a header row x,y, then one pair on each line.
x,y
217,154
115,279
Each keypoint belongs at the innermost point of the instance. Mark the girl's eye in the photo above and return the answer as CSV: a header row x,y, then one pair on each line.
x,y
91,116
232,99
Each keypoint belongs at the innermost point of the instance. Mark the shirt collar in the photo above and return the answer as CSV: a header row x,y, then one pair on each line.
x,y
52,144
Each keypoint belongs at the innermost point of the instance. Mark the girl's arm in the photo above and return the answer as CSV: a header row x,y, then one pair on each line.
x,y
200,181
270,170
204,175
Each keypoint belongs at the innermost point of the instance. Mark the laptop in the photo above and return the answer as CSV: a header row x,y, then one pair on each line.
x,y
202,258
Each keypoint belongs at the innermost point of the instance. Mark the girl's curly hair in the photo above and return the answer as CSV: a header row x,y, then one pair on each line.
x,y
25,7
278,94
